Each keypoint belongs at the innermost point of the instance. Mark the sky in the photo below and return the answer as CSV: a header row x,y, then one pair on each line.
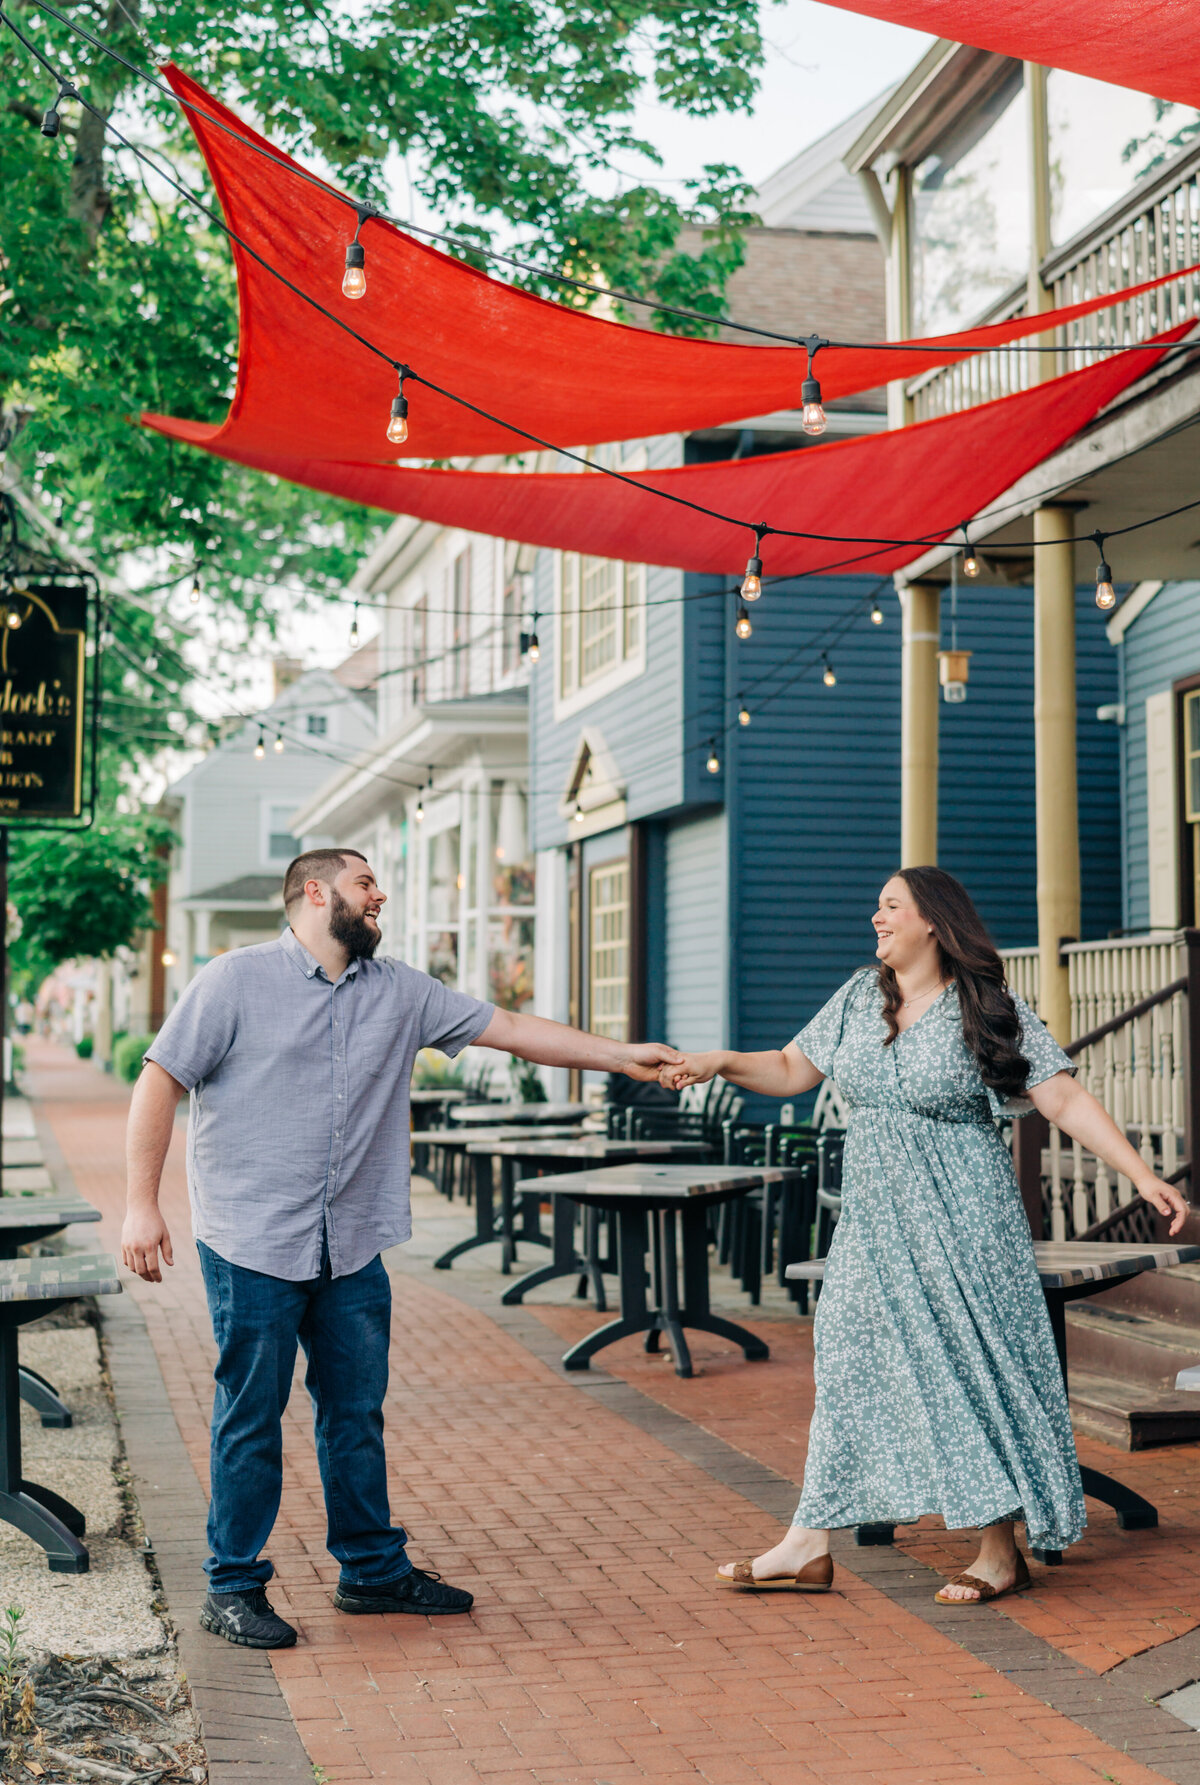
x,y
821,65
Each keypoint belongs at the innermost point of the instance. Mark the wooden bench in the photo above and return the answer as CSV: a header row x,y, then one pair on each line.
x,y
29,1289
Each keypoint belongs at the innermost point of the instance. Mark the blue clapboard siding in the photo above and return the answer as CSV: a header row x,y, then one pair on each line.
x,y
1161,647
986,817
695,927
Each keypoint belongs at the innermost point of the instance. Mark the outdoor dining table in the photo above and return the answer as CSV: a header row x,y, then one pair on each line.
x,y
1069,1270
25,1220
502,1115
521,1158
664,1195
459,1140
29,1289
426,1102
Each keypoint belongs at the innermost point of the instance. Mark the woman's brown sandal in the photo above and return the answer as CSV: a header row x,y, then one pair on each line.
x,y
984,1588
815,1577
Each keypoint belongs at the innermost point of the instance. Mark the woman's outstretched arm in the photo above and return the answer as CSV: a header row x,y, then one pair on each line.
x,y
781,1072
1078,1114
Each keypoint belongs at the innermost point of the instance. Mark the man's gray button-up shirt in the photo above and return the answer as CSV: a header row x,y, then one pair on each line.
x,y
299,1101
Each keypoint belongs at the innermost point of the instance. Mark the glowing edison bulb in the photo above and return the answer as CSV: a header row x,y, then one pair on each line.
x,y
827,675
713,765
743,715
397,428
812,417
1106,595
260,749
535,650
419,814
578,813
354,629
970,564
752,581
195,595
354,280
277,746
12,619
743,628
877,615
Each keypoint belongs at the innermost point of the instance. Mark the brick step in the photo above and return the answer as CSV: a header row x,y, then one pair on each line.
x,y
1173,1295
1131,1417
1131,1348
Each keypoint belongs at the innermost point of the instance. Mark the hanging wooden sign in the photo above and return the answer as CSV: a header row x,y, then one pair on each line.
x,y
43,658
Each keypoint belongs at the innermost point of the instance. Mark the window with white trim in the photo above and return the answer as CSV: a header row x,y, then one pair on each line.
x,y
281,844
600,619
608,950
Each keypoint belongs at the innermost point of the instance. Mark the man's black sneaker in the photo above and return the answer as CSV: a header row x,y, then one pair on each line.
x,y
246,1618
426,1594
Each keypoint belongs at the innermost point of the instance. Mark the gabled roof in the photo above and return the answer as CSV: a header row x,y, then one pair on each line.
x,y
813,191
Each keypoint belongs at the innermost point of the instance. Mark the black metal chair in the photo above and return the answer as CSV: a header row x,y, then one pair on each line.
x,y
829,1192
772,1227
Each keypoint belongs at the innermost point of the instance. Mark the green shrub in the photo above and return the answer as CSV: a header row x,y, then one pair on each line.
x,y
84,1047
127,1056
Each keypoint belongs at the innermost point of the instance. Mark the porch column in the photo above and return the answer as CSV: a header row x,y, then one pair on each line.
x,y
920,636
1041,365
1054,737
102,1022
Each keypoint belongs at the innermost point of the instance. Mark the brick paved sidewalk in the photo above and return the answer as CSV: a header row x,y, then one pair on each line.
x,y
599,1650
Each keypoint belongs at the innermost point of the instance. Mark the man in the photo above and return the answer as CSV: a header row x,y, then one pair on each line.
x,y
298,1055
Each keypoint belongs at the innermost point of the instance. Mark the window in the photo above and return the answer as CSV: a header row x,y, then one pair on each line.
x,y
460,659
418,646
1191,789
317,724
281,844
600,619
608,950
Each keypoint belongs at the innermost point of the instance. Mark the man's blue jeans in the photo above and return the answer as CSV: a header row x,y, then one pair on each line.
x,y
344,1326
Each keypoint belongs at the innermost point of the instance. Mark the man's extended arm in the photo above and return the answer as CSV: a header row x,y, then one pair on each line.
x,y
147,1137
557,1044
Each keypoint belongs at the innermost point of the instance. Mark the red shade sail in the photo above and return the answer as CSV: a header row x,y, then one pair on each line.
x,y
307,389
916,483
1151,45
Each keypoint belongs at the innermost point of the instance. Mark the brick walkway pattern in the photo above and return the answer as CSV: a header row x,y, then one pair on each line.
x,y
599,1650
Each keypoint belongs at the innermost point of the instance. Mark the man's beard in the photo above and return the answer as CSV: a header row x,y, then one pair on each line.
x,y
351,929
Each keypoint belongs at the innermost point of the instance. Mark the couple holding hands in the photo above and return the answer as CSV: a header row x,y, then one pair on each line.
x,y
938,1386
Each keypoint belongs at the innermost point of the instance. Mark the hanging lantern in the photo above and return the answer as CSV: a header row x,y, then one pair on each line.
x,y
953,669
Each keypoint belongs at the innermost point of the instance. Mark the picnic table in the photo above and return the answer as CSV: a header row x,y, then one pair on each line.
x,y
24,1220
1069,1270
672,1199
521,1158
30,1288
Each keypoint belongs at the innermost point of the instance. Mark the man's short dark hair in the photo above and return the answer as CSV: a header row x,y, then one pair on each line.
x,y
314,864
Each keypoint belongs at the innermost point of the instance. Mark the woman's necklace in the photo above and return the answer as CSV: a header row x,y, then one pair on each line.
x,y
917,996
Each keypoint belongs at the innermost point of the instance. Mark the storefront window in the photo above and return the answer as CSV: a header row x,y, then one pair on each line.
x,y
971,213
445,898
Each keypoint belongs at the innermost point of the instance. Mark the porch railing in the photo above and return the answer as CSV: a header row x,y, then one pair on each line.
x,y
1134,1004
1154,229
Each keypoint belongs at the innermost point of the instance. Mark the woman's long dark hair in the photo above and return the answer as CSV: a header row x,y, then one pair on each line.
x,y
991,1027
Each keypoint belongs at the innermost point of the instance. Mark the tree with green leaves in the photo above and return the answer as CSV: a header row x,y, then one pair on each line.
x,y
117,296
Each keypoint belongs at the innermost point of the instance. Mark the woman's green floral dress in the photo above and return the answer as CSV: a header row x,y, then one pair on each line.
x,y
938,1386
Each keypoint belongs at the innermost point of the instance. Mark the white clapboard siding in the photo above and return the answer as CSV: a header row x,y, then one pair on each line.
x,y
697,942
1162,827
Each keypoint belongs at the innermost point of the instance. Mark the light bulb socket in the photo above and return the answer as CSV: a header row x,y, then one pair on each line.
x,y
400,407
752,581
356,255
810,391
51,122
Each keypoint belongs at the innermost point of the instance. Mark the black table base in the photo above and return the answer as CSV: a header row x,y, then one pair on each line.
x,y
668,1316
565,1258
38,1511
44,1398
492,1224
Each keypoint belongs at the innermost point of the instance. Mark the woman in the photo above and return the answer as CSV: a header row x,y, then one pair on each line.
x,y
938,1385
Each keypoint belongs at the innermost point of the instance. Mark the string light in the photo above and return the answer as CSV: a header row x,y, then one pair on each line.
x,y
970,563
51,122
743,628
260,749
151,664
397,428
877,615
578,813
195,594
713,765
743,715
12,619
277,746
827,675
812,412
529,642
354,279
752,581
354,629
1106,595
419,814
